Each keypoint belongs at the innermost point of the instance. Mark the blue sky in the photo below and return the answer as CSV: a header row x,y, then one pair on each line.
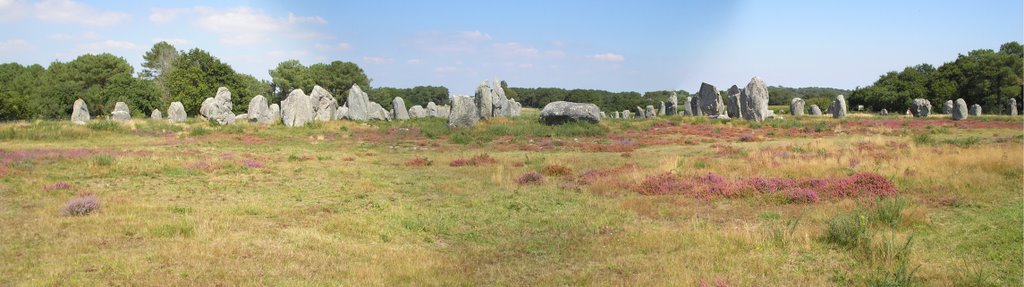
x,y
612,45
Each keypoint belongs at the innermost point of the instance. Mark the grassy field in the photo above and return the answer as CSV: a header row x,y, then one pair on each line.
x,y
812,201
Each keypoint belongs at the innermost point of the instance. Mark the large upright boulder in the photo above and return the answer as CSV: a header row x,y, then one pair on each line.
x,y
378,113
920,108
649,112
839,107
672,108
1011,107
416,112
796,107
560,112
120,112
324,104
80,112
444,111
401,113
517,108
463,112
206,107
688,107
358,104
947,108
641,113
156,115
814,110
432,110
754,100
732,102
297,109
959,110
484,100
259,111
275,113
218,108
502,106
710,100
176,113
975,110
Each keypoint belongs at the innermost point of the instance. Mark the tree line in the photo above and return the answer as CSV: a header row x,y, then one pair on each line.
x,y
985,77
607,101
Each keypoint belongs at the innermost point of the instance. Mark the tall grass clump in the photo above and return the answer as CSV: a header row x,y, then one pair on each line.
x,y
848,230
100,125
889,211
892,259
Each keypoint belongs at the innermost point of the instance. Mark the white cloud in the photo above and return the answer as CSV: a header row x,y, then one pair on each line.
x,y
341,46
163,15
15,45
172,41
445,69
106,46
378,60
292,19
414,62
475,35
244,25
608,57
69,37
513,48
11,10
67,11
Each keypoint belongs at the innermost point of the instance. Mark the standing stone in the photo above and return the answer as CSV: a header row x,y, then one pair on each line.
x,y
417,111
673,105
662,110
502,106
80,112
560,112
883,112
839,107
754,100
733,104
377,112
796,107
297,109
815,110
603,115
218,108
517,108
947,108
921,108
959,110
120,112
626,114
710,100
156,115
401,113
176,113
463,112
640,113
432,110
358,104
1011,107
444,111
206,107
275,113
341,113
649,112
616,115
975,110
484,100
324,104
259,111
690,107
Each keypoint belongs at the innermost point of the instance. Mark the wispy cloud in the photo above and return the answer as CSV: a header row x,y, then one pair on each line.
x,y
15,46
107,46
172,41
11,10
475,35
515,49
245,25
414,61
340,46
378,60
67,11
164,15
70,37
608,57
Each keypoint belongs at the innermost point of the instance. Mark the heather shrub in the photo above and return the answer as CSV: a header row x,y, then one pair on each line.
x,y
530,178
81,205
420,161
56,186
802,195
556,170
252,163
661,184
480,159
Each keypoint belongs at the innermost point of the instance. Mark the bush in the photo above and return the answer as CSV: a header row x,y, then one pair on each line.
x,y
420,161
848,230
480,159
81,205
889,211
530,178
104,160
556,170
923,139
198,131
802,195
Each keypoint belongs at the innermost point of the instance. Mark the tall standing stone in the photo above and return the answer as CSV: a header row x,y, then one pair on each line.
x,y
176,113
401,113
517,108
1011,107
259,111
650,112
358,104
463,112
754,100
695,109
502,106
484,100
710,100
297,109
432,110
673,105
80,112
839,107
219,107
975,110
921,108
796,107
815,110
959,110
324,104
947,108
641,113
688,106
120,112
156,115
733,103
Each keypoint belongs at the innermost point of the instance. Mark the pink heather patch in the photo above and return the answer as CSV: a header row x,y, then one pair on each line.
x,y
252,163
802,195
81,205
530,178
810,190
56,186
199,165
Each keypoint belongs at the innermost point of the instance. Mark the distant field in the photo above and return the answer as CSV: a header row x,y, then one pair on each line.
x,y
807,201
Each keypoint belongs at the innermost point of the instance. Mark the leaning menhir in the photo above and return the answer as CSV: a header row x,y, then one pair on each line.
x,y
325,106
815,110
560,112
358,104
401,113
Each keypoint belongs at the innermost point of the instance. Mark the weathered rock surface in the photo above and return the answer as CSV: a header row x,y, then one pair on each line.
x,y
156,115
662,110
432,110
796,107
672,108
297,109
484,100
711,103
219,107
1011,107
815,110
417,111
839,107
463,112
176,113
754,100
691,107
733,104
883,112
947,108
401,113
358,104
80,112
560,112
120,112
649,112
975,110
241,117
259,111
325,106
921,108
959,110
378,113
275,113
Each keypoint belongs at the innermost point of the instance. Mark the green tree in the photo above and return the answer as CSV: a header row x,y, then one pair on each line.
x,y
156,64
195,76
338,77
248,88
290,75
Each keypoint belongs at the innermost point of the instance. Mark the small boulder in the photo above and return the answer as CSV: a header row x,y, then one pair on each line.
x,y
649,112
120,112
80,112
341,113
921,108
1011,107
156,115
947,108
176,113
417,111
883,112
259,111
275,113
815,110
560,112
378,113
975,110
